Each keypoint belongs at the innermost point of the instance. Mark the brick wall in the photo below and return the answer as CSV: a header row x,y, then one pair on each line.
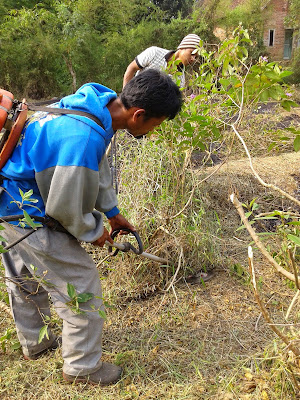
x,y
274,14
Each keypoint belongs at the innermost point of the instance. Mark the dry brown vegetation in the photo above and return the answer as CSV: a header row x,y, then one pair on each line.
x,y
197,341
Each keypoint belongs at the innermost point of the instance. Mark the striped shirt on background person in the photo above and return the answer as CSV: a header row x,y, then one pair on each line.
x,y
157,58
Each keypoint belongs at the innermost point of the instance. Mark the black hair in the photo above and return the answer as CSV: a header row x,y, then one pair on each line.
x,y
155,92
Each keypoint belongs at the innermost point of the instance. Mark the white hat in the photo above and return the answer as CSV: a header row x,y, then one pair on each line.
x,y
190,41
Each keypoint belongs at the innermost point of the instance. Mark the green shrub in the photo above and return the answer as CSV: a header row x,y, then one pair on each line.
x,y
295,67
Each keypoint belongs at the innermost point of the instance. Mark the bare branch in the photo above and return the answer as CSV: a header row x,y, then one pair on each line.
x,y
264,311
292,304
266,254
261,181
292,258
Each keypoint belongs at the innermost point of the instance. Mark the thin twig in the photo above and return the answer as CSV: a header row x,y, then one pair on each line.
x,y
292,304
264,311
177,270
103,260
5,308
257,241
290,214
261,181
260,315
194,188
292,258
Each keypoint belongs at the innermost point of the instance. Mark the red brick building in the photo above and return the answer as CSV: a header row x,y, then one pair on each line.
x,y
280,40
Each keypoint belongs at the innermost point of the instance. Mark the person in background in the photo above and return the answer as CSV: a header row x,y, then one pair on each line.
x,y
161,59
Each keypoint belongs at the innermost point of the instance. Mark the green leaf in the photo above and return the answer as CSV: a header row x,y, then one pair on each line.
x,y
71,290
295,239
33,267
102,314
215,130
264,96
297,143
188,127
28,194
294,223
272,145
275,93
266,217
252,202
16,346
84,297
43,333
200,119
225,66
283,74
224,82
287,104
199,144
28,219
295,131
271,75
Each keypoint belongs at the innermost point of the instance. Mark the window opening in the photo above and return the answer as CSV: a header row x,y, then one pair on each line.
x,y
271,37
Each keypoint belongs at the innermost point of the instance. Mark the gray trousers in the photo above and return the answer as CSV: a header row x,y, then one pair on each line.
x,y
42,264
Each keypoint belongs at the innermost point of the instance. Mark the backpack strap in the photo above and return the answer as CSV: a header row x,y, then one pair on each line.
x,y
10,143
65,111
11,136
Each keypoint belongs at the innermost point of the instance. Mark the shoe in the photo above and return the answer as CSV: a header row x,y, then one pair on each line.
x,y
106,375
57,343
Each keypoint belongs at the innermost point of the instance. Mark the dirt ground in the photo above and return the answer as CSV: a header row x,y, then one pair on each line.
x,y
197,341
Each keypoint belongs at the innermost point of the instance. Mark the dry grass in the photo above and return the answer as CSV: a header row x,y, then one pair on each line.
x,y
198,345
198,342
265,131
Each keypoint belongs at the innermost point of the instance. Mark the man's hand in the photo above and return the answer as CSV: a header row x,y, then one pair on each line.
x,y
119,222
102,239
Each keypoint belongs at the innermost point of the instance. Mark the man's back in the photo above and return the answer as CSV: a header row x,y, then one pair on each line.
x,y
153,57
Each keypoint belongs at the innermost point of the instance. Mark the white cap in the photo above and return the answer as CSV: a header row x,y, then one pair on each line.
x,y
190,41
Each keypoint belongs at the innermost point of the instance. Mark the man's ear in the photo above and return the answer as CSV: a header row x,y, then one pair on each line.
x,y
139,112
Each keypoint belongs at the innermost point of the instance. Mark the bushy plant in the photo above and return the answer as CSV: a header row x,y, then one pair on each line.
x,y
248,13
120,49
295,67
52,49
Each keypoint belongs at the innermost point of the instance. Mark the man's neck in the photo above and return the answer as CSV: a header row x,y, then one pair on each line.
x,y
118,114
174,57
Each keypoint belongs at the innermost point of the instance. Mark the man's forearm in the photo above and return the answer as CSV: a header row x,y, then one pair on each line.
x,y
130,72
127,77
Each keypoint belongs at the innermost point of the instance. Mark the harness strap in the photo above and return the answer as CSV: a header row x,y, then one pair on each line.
x,y
7,97
55,110
47,221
